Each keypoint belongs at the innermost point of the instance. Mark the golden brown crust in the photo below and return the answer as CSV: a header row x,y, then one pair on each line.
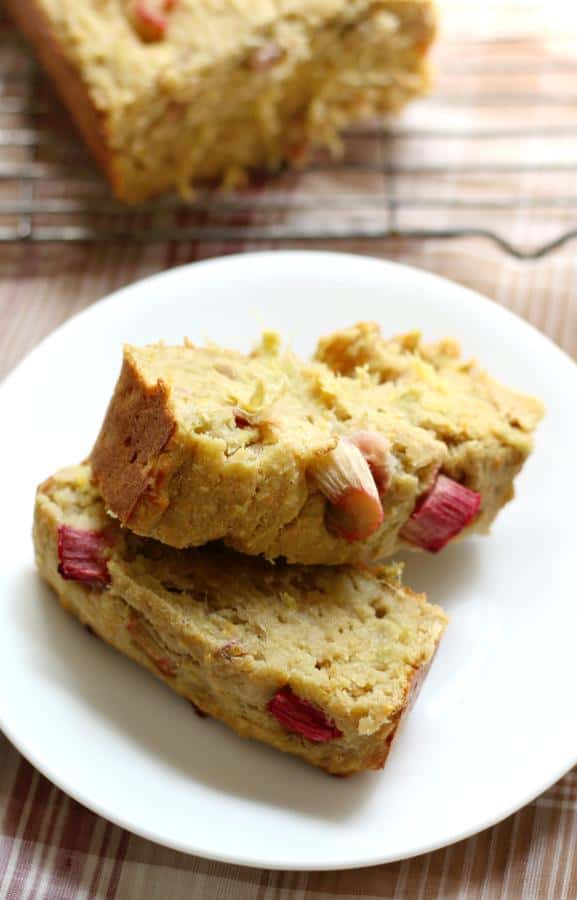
x,y
137,427
34,24
413,691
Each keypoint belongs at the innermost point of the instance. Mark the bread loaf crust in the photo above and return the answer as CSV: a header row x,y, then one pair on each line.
x,y
32,20
137,427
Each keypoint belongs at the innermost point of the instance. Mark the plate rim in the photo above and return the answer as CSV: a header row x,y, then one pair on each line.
x,y
122,293
255,862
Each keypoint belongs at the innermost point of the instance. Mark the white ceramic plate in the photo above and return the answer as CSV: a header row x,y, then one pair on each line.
x,y
495,723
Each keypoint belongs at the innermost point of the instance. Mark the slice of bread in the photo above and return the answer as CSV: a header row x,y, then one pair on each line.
x,y
203,444
319,662
336,461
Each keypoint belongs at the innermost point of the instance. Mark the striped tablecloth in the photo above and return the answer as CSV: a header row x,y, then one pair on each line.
x,y
515,116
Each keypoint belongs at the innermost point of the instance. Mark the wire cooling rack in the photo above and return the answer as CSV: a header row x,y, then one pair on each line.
x,y
492,152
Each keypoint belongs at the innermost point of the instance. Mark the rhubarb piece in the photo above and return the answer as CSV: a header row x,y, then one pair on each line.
x,y
143,639
441,515
166,666
82,556
150,18
377,451
231,650
296,714
344,476
241,421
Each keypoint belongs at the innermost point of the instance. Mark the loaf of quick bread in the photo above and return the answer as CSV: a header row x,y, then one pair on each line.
x,y
169,93
344,459
318,662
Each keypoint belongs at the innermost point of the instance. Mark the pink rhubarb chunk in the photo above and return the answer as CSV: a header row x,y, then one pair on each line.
x,y
357,514
441,515
148,645
377,451
151,18
296,714
82,556
166,666
344,476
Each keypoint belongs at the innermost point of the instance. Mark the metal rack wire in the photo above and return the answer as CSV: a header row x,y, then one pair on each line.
x,y
497,136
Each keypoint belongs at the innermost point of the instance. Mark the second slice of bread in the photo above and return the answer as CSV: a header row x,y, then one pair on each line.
x,y
318,662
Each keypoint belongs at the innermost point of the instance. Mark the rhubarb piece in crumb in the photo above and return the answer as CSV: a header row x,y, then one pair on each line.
x,y
344,476
296,714
241,421
377,451
150,18
82,556
166,665
231,650
441,515
143,639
